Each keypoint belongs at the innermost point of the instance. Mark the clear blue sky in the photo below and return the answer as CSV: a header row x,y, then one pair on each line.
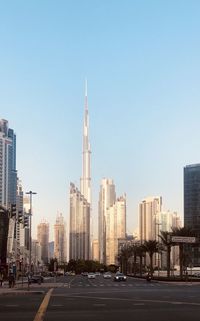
x,y
142,62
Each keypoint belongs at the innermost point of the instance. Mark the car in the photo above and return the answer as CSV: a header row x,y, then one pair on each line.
x,y
36,279
84,273
91,275
97,273
107,275
119,277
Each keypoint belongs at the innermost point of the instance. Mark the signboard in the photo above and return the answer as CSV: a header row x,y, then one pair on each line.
x,y
183,239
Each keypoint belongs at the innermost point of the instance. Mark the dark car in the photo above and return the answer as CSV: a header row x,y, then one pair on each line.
x,y
36,279
119,277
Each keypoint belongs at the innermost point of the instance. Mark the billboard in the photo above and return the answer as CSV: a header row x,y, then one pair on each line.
x,y
183,239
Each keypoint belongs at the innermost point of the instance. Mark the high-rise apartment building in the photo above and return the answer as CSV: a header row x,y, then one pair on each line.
x,y
115,223
36,255
149,210
8,173
112,222
79,236
8,188
60,239
167,221
95,250
43,240
80,201
107,197
192,205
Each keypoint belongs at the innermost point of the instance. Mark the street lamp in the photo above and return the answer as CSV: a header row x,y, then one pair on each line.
x,y
30,226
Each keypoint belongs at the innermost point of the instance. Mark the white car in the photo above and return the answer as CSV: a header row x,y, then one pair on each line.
x,y
107,275
91,276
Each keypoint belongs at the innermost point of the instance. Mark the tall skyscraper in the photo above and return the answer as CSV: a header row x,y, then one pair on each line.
x,y
8,188
107,197
86,175
8,173
79,236
166,222
115,229
43,239
95,250
192,204
149,210
192,197
80,201
60,239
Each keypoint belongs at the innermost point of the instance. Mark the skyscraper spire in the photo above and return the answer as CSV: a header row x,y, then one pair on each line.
x,y
85,87
86,179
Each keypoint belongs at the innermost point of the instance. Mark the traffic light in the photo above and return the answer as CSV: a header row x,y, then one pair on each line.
x,y
13,210
26,221
20,216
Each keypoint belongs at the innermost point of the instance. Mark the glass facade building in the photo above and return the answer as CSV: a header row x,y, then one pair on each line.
x,y
192,205
192,197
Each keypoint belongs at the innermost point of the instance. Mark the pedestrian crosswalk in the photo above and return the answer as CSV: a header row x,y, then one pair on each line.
x,y
115,285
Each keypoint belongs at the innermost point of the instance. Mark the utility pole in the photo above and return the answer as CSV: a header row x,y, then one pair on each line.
x,y
30,193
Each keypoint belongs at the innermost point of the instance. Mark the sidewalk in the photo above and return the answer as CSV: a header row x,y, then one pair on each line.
x,y
19,290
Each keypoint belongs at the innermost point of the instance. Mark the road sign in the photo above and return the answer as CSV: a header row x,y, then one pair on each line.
x,y
183,239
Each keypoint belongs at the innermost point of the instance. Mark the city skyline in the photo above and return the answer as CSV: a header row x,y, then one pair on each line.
x,y
143,84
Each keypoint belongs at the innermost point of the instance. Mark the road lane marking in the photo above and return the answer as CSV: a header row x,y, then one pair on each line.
x,y
43,307
57,305
137,301
99,305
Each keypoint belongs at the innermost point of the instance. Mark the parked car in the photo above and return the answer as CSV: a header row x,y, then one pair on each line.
x,y
36,279
91,275
107,275
97,273
119,277
84,273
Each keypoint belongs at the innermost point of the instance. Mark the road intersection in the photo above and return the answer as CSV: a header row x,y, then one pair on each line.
x,y
77,298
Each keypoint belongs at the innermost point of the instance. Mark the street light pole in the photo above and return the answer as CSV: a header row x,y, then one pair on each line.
x,y
30,193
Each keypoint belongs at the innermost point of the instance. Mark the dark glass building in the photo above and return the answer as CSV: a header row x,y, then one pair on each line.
x,y
192,205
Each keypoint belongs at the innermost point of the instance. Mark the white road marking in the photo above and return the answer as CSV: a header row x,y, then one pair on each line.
x,y
99,305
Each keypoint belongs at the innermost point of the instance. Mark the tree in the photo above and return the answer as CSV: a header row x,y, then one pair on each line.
x,y
151,247
141,253
166,240
71,266
123,257
134,249
53,264
182,231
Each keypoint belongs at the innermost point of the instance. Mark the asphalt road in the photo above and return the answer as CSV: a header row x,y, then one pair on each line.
x,y
77,298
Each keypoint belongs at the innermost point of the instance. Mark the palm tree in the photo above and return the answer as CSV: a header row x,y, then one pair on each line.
x,y
182,231
134,249
151,247
123,257
141,253
166,240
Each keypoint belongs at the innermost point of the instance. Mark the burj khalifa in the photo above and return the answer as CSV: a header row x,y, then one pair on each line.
x,y
86,178
80,201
